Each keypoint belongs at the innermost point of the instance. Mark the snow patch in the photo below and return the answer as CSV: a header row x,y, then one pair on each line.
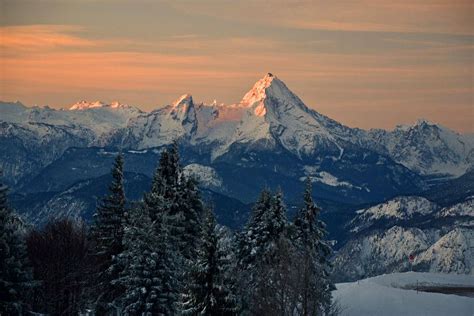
x,y
207,176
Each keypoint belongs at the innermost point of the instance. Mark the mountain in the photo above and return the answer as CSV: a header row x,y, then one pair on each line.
x,y
32,138
385,235
426,148
269,138
385,195
79,200
452,191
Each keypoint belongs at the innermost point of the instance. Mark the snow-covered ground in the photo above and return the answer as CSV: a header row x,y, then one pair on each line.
x,y
395,294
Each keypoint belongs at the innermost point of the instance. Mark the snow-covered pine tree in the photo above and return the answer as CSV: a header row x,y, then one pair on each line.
x,y
174,204
15,276
154,200
178,197
253,236
210,290
107,234
191,209
163,200
310,233
186,206
148,274
275,219
264,256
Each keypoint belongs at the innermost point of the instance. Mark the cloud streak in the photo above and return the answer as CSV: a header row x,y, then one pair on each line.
x,y
34,37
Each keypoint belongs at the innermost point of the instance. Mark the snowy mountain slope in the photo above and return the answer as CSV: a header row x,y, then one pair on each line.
x,y
395,294
159,127
398,209
98,117
207,176
269,138
269,116
32,138
465,208
452,253
441,239
274,114
27,148
427,148
13,112
380,252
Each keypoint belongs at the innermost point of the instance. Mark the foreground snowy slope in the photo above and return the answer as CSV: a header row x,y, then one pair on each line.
x,y
395,294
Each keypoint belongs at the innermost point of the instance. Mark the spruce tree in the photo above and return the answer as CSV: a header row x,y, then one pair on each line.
x,y
191,210
15,277
210,290
253,237
275,219
263,255
186,207
315,253
107,234
148,276
174,205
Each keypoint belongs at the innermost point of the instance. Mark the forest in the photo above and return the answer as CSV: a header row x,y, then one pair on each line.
x,y
166,255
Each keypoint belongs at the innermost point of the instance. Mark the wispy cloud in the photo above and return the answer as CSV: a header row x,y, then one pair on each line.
x,y
42,36
403,16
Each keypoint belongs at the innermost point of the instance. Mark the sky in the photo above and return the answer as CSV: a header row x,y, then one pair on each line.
x,y
368,63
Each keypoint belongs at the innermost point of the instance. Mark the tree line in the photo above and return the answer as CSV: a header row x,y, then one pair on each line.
x,y
166,255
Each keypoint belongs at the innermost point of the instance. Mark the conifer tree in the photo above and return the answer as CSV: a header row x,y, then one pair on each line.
x,y
15,277
107,234
148,274
275,219
191,210
263,256
154,201
210,290
315,251
174,205
176,197
253,237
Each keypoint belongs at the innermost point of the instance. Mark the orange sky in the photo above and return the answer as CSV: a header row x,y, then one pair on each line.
x,y
364,63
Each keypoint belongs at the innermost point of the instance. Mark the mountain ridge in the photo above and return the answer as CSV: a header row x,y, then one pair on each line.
x,y
269,115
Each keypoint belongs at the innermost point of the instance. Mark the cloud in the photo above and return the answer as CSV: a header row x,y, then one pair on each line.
x,y
403,16
34,37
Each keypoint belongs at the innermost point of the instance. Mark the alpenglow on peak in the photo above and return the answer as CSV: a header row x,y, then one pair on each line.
x,y
258,91
268,87
185,99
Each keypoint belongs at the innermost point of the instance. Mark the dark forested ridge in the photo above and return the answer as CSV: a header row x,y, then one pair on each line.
x,y
164,254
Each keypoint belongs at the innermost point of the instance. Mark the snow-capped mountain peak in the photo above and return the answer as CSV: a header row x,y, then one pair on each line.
x,y
116,105
184,100
183,109
85,105
258,91
269,115
269,88
276,115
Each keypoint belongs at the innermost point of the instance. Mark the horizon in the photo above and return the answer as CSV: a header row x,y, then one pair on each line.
x,y
371,64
